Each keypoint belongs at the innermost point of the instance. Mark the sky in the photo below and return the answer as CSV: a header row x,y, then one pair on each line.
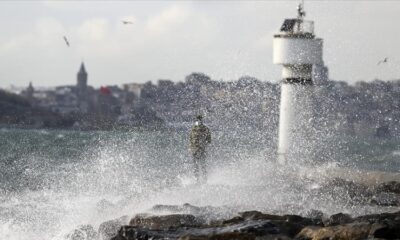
x,y
171,39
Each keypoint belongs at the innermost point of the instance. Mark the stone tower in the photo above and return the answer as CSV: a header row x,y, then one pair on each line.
x,y
81,88
29,91
82,79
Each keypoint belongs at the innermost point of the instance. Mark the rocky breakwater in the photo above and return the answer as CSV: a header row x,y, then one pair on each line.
x,y
254,225
189,222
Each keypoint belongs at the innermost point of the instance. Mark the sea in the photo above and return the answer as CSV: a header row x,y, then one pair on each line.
x,y
52,181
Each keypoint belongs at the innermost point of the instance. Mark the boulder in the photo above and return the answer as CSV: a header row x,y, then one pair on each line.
x,y
221,236
287,225
258,228
288,228
234,220
132,233
109,229
385,231
353,231
274,237
244,230
314,214
252,225
338,219
164,221
379,218
256,215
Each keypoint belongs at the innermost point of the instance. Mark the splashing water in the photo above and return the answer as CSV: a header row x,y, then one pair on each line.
x,y
53,181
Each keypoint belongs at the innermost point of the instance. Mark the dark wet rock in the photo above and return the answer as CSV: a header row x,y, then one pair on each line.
x,y
385,231
277,219
274,237
389,187
378,218
303,221
353,231
377,226
164,221
297,219
288,225
109,229
82,232
221,236
244,230
356,231
256,225
134,233
258,228
289,229
338,219
256,215
234,220
314,214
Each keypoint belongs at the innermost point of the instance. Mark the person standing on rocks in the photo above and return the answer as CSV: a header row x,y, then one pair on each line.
x,y
200,137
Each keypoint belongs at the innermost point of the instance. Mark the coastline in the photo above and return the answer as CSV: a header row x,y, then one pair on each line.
x,y
188,222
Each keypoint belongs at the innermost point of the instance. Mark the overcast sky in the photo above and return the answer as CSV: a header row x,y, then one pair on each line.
x,y
171,39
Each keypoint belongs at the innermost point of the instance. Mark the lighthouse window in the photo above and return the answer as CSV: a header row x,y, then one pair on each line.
x,y
288,25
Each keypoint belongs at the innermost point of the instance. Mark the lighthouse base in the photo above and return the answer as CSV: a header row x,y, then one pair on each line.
x,y
295,122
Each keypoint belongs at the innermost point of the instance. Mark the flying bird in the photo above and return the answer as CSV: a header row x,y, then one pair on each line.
x,y
66,41
127,22
385,60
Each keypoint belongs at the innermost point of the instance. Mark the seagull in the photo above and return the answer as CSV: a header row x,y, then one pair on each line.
x,y
385,60
127,22
66,41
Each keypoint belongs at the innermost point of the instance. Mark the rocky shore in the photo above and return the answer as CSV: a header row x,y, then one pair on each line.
x,y
188,222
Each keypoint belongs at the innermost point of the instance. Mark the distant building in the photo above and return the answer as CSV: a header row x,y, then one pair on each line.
x,y
135,88
65,100
28,93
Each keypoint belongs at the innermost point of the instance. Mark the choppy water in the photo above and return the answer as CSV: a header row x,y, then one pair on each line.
x,y
52,181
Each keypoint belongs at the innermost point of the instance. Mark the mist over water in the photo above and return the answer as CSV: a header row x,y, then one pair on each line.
x,y
53,181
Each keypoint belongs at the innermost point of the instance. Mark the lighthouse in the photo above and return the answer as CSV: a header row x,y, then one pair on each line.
x,y
299,52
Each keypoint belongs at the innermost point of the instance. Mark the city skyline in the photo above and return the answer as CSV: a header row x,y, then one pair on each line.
x,y
169,40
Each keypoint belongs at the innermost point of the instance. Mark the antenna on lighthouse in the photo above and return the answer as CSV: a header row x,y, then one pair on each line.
x,y
300,10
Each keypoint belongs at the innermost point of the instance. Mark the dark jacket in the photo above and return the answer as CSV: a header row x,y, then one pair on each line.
x,y
200,137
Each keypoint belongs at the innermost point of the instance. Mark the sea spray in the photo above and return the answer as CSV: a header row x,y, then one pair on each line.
x,y
52,185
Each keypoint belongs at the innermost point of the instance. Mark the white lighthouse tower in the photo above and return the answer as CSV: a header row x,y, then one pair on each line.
x,y
297,49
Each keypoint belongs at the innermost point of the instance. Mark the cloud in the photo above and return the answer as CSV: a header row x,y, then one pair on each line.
x,y
94,30
61,5
168,19
46,32
54,4
264,41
